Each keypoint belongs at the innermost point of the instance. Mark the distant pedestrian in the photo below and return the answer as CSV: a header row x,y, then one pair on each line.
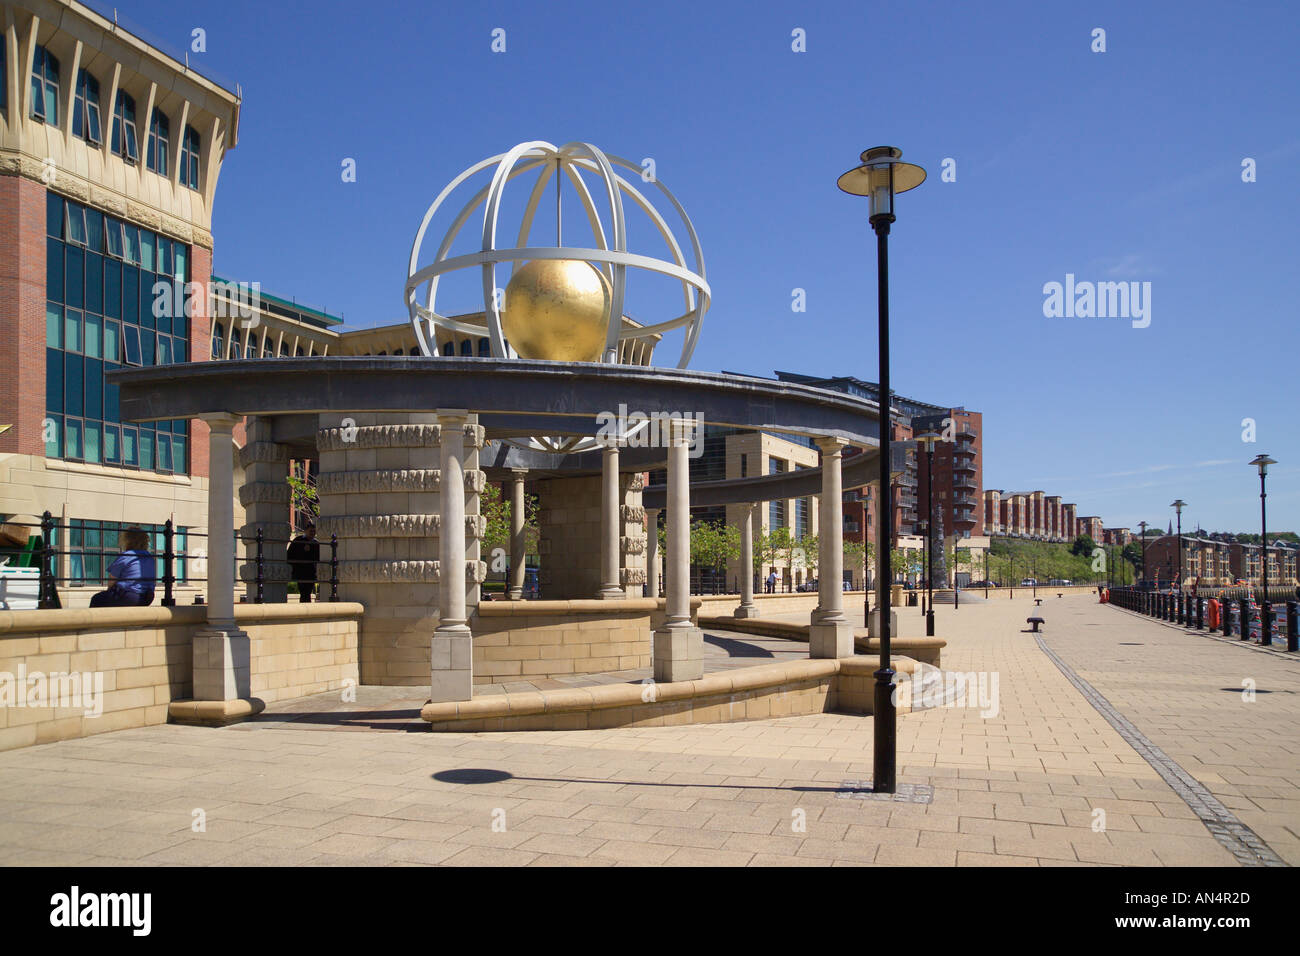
x,y
303,556
771,582
132,575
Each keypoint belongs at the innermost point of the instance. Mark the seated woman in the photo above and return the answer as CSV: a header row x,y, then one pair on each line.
x,y
131,575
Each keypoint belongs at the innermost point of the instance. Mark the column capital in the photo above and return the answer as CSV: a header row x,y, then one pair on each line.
x,y
452,416
221,421
519,474
832,444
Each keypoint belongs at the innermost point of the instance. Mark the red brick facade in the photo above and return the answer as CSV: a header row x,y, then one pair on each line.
x,y
22,315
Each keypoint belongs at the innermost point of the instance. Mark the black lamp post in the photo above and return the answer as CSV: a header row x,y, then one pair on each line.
x,y
1178,505
881,176
1265,609
1143,526
927,439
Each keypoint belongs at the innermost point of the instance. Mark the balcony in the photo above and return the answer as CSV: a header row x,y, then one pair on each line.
x,y
964,483
963,466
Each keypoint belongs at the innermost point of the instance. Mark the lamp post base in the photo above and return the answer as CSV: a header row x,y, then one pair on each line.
x,y
883,765
929,623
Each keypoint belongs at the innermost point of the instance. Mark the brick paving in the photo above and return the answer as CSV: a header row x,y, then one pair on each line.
x,y
317,784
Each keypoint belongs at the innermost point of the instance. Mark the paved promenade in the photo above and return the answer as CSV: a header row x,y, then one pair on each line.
x,y
1022,786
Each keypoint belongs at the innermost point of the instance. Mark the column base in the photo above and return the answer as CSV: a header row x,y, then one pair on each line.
x,y
612,592
451,676
222,668
873,623
213,713
678,653
746,610
515,594
826,639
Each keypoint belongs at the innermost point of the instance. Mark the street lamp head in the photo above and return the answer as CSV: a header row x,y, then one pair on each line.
x,y
1178,505
927,439
881,176
1262,462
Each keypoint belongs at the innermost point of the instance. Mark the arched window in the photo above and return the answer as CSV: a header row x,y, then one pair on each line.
x,y
398,352
484,348
466,347
234,342
85,110
218,335
250,351
268,347
298,351
159,132
45,86
190,158
284,349
382,352
448,348
123,140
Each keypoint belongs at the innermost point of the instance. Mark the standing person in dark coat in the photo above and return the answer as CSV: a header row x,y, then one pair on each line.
x,y
303,556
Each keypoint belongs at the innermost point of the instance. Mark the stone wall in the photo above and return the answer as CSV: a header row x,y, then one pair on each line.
x,y
569,522
143,656
531,640
378,487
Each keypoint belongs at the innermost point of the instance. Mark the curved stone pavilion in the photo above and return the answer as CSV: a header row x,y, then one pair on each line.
x,y
406,444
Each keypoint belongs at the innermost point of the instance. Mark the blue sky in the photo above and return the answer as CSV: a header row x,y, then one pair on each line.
x,y
1122,165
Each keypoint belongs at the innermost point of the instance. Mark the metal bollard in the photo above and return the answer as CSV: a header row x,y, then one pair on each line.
x,y
1245,619
1293,625
169,555
1200,614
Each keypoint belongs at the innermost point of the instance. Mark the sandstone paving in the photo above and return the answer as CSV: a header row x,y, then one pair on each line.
x,y
324,782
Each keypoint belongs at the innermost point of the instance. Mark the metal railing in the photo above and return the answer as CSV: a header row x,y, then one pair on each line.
x,y
48,553
1228,610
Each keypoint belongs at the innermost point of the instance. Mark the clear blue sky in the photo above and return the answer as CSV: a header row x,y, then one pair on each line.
x,y
1117,165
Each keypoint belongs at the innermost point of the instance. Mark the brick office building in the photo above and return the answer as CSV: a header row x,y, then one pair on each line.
x,y
110,152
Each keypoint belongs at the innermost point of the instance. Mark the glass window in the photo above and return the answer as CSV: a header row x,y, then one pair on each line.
x,y
234,343
53,435
147,245
92,330
164,349
190,158
130,294
123,140
94,230
484,347
130,446
72,438
131,243
148,347
73,277
466,347
74,224
298,351
54,215
156,150
165,261
72,330
448,348
53,325
53,380
94,387
54,269
164,451
113,237
146,449
180,464
112,341
45,86
85,112
251,350
112,288
94,282
131,344
91,441
112,444
181,252
74,367
112,411
218,343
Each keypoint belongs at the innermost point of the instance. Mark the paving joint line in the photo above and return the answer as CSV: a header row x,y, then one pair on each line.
x,y
1237,838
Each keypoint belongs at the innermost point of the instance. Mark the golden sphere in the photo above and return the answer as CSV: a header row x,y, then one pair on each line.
x,y
557,309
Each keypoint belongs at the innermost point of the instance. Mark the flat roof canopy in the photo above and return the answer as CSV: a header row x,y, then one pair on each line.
x,y
551,397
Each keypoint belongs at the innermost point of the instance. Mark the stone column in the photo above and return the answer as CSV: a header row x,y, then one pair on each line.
x,y
221,650
831,635
678,647
265,497
747,607
517,549
452,676
610,588
652,552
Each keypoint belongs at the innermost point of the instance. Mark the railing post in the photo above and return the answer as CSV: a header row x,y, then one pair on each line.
x,y
1200,614
47,580
334,567
169,555
1245,619
1293,625
258,599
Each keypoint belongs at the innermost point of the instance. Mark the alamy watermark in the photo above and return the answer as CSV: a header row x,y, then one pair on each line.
x,y
929,687
653,430
84,689
1100,300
